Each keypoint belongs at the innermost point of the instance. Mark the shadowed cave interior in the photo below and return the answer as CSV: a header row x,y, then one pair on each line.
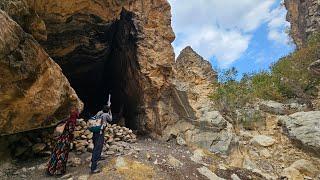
x,y
107,64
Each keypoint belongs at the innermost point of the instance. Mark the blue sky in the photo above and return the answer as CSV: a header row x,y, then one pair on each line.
x,y
246,34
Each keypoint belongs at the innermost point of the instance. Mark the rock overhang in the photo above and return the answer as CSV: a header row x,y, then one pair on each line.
x,y
74,26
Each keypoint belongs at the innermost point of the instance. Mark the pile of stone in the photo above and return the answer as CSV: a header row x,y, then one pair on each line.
x,y
41,142
114,136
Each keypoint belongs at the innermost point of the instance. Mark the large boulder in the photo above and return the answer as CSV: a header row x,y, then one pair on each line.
x,y
305,167
273,107
304,129
299,169
34,93
202,136
277,108
218,142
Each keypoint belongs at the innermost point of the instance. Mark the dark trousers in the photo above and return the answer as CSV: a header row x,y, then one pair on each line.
x,y
98,140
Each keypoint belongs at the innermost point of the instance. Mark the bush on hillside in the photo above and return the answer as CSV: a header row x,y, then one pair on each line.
x,y
230,94
291,73
288,78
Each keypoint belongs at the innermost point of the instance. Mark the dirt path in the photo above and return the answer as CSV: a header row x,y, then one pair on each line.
x,y
146,159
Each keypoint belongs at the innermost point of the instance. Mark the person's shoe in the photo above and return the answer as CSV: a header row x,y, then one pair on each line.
x,y
48,173
102,158
95,171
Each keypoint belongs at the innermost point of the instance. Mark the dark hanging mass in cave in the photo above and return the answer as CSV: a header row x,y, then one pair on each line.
x,y
107,63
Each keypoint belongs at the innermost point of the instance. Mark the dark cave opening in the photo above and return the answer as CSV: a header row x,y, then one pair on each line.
x,y
108,65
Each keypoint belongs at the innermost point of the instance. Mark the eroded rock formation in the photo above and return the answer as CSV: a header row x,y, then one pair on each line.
x,y
107,46
195,76
124,48
33,90
205,127
304,16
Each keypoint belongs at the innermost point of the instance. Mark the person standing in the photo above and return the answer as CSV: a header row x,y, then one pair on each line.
x,y
98,137
59,157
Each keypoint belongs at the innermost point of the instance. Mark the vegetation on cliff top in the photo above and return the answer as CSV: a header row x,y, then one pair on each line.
x,y
289,78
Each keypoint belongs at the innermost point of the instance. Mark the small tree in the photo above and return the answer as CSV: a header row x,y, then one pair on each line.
x,y
230,94
228,75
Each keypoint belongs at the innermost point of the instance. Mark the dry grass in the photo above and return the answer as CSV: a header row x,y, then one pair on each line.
x,y
133,170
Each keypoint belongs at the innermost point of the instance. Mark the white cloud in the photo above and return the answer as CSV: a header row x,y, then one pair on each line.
x,y
211,41
277,23
222,28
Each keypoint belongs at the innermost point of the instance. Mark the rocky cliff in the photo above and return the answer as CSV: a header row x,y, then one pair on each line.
x,y
33,92
203,126
195,76
304,16
102,46
122,48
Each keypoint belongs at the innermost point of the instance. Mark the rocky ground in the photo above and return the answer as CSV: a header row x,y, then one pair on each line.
x,y
259,154
145,159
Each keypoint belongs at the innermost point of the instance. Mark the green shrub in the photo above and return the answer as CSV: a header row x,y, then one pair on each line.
x,y
291,73
251,119
288,78
265,86
230,94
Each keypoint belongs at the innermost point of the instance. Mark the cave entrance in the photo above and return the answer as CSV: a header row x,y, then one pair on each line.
x,y
106,64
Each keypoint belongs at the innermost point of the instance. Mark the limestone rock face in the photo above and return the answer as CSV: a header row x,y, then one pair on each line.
x,y
131,39
203,125
304,128
28,19
304,17
122,48
195,76
106,46
33,90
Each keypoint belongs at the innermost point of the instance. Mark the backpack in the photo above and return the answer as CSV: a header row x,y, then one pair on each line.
x,y
94,124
